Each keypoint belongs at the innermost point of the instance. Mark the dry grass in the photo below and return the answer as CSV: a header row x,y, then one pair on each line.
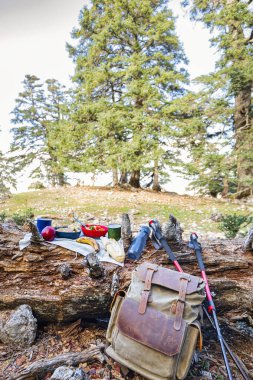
x,y
108,204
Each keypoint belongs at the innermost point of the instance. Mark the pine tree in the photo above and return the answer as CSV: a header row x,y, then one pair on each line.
x,y
38,115
206,157
129,70
229,88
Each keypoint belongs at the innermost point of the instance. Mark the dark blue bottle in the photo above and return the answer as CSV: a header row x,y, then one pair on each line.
x,y
135,250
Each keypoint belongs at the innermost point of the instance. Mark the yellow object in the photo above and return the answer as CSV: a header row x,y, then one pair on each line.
x,y
90,241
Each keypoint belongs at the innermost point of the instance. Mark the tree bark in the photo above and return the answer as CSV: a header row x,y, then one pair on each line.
x,y
123,178
225,187
156,185
61,179
32,277
244,138
115,177
135,178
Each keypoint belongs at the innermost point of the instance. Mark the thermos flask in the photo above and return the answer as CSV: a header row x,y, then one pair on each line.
x,y
136,248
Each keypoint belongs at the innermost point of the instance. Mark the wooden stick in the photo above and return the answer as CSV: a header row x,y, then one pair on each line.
x,y
41,367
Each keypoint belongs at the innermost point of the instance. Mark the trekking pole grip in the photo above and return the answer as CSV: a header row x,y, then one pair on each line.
x,y
153,224
198,250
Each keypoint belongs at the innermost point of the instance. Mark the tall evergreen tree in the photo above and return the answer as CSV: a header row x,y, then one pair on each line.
x,y
38,115
129,71
229,88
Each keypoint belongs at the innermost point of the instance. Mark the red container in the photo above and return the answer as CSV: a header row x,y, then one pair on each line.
x,y
94,233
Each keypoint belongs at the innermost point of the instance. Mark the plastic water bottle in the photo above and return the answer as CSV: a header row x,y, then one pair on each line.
x,y
138,244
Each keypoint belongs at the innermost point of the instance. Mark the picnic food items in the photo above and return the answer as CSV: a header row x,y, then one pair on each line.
x,y
89,241
68,232
94,230
114,231
114,249
48,233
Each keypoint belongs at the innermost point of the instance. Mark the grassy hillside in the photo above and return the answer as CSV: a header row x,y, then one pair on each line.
x,y
107,205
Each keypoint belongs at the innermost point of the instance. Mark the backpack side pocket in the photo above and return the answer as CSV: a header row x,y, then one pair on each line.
x,y
192,336
115,307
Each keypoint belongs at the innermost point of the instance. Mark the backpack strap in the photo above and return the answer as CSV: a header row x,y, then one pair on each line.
x,y
184,280
151,269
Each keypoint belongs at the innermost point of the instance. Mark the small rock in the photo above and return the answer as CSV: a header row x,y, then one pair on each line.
x,y
65,271
62,373
216,216
95,267
20,329
80,375
206,375
172,230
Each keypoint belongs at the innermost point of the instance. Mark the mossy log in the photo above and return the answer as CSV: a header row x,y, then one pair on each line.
x,y
32,277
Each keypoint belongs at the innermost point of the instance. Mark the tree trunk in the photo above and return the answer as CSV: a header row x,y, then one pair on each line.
x,y
244,138
123,178
61,179
32,276
135,178
115,177
156,185
225,187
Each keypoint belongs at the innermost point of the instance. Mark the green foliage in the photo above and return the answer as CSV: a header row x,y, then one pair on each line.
x,y
129,71
40,111
225,99
37,186
231,224
3,216
20,217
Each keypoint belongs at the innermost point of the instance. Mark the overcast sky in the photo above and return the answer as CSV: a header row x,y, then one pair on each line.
x,y
33,36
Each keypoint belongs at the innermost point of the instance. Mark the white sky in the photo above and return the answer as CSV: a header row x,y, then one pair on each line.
x,y
33,36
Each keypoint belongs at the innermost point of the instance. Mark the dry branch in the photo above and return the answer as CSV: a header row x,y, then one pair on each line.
x,y
43,366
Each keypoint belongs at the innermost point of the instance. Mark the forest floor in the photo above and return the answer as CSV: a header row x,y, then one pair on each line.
x,y
53,340
105,205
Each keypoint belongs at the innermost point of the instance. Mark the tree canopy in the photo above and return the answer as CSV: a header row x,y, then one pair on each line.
x,y
40,112
130,69
226,95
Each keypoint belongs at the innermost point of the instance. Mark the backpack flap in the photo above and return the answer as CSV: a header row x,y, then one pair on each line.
x,y
167,278
152,329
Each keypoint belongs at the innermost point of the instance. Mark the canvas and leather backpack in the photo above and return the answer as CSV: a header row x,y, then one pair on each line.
x,y
154,328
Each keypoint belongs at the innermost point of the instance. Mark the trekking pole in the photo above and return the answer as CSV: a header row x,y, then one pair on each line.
x,y
241,367
211,307
156,230
157,233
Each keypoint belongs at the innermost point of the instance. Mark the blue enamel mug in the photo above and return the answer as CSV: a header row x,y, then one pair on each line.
x,y
42,223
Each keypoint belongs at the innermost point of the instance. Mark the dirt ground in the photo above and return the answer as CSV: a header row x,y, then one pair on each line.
x,y
53,340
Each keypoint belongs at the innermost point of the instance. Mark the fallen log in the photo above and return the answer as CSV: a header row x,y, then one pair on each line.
x,y
43,366
33,276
